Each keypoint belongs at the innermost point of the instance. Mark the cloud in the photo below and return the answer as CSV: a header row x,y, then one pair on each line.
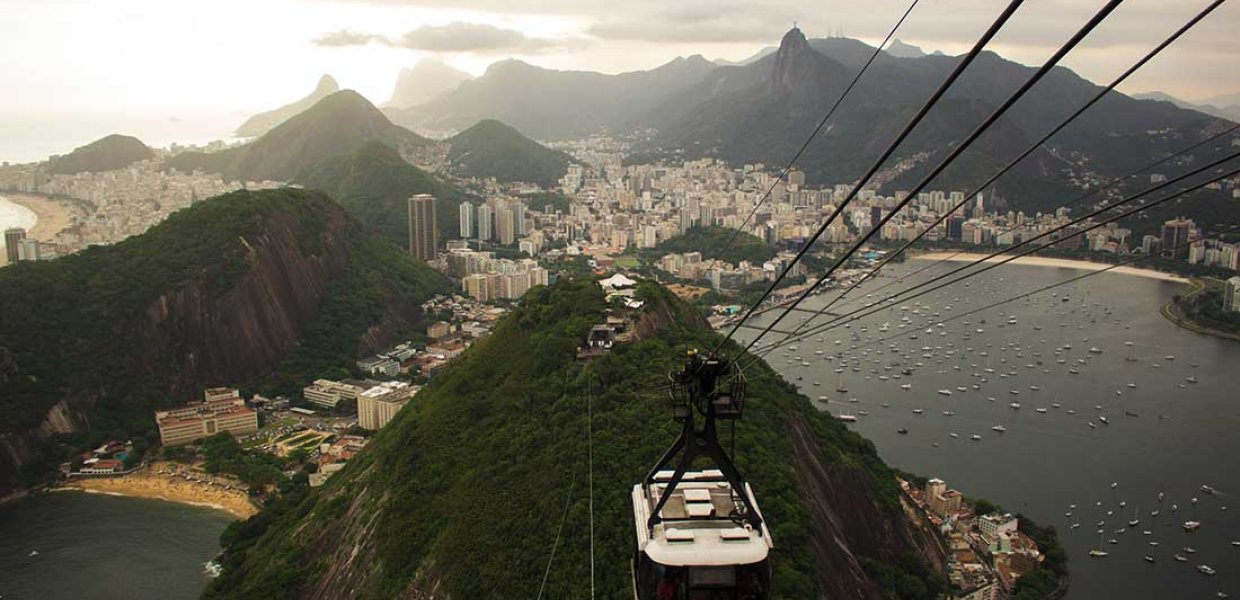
x,y
345,37
697,22
471,37
457,36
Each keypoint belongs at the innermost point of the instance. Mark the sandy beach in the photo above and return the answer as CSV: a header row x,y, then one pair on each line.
x,y
149,483
53,215
1062,263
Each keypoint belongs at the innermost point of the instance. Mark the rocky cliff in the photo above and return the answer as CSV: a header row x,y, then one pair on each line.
x,y
225,293
464,494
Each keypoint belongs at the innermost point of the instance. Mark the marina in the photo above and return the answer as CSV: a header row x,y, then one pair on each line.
x,y
1070,450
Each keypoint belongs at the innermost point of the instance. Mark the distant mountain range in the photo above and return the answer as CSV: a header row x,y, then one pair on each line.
x,y
105,154
334,126
427,79
547,104
1223,107
493,149
263,122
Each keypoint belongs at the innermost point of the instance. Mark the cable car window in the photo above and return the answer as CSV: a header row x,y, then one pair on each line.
x,y
707,577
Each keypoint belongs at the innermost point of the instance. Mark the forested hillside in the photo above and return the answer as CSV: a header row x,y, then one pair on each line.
x,y
461,495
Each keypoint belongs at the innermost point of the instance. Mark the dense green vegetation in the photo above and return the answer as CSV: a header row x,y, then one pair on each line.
x,y
493,149
336,125
1205,308
907,578
1045,581
75,338
712,242
379,277
105,154
374,183
256,469
541,200
465,487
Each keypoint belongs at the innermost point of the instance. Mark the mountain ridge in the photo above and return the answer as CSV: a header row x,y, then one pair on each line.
x,y
263,289
491,148
108,153
335,125
417,514
261,123
426,80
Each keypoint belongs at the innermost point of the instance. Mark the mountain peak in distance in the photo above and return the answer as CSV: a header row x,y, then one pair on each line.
x,y
427,79
900,49
263,122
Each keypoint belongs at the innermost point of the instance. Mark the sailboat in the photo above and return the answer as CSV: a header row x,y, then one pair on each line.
x,y
1098,552
1135,520
841,388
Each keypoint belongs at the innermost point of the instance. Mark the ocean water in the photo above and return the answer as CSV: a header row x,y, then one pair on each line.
x,y
35,138
1183,434
14,215
99,546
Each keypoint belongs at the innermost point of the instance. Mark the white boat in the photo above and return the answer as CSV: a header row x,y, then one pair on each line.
x,y
999,428
1192,525
1040,410
945,392
1098,552
1181,558
1205,570
846,418
1207,489
1015,405
918,411
975,437
906,386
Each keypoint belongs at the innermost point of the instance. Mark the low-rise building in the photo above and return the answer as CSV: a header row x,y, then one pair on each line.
x,y
326,393
379,365
222,409
105,466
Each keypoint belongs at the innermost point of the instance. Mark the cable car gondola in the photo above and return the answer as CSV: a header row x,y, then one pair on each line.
x,y
700,534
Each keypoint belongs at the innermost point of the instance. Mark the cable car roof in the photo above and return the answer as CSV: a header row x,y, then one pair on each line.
x,y
696,529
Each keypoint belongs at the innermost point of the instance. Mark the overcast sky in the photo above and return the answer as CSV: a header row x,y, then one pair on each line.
x,y
76,56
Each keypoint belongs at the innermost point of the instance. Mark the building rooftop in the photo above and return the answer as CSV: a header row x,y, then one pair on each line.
x,y
697,528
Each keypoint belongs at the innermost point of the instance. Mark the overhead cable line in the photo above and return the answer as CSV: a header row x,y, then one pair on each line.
x,y
1046,288
861,313
963,64
822,123
1110,184
1020,92
1011,164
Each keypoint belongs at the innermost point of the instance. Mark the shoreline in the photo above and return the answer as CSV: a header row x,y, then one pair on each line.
x,y
52,216
1062,263
146,483
1170,312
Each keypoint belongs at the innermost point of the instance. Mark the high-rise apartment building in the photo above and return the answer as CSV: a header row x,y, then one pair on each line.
x,y
505,224
1231,294
423,235
467,220
484,222
1175,234
13,239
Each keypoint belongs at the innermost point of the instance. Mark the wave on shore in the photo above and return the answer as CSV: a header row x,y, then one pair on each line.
x,y
1062,263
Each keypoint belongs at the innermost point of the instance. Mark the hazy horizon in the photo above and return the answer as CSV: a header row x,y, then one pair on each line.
x,y
144,56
